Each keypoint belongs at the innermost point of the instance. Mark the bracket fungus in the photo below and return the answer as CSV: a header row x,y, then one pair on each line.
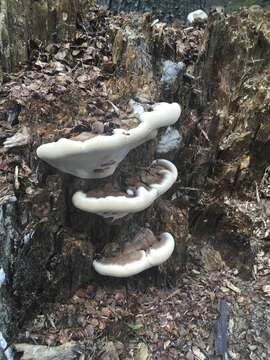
x,y
160,177
169,141
97,156
94,155
21,138
149,251
197,16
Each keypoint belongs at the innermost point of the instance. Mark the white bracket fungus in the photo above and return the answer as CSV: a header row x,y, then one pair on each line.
x,y
119,206
2,277
170,72
19,139
170,140
130,263
99,156
197,16
137,108
4,348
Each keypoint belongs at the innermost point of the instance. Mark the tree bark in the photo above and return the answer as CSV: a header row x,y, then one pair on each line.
x,y
47,245
23,21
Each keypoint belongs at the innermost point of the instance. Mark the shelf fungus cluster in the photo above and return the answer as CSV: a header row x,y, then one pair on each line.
x,y
142,192
145,251
197,16
92,155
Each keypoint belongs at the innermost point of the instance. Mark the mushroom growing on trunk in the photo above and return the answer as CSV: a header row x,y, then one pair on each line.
x,y
146,252
91,154
97,156
161,176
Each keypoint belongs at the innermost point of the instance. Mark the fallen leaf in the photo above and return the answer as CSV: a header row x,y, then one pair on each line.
x,y
135,326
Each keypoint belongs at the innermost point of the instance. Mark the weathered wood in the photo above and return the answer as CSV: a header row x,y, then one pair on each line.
x,y
52,253
9,235
22,21
68,351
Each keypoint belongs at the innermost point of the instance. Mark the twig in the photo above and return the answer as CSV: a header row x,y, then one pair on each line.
x,y
257,193
173,294
188,188
16,178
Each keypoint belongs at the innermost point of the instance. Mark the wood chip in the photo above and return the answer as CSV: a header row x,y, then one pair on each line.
x,y
143,353
266,289
198,354
232,287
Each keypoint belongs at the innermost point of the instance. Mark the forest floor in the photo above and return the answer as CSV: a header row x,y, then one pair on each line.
x,y
163,317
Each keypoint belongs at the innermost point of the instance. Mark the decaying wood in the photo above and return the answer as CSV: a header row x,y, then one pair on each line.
x,y
26,21
71,84
9,235
68,351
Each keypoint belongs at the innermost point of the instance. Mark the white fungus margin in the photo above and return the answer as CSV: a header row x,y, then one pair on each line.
x,y
119,206
154,256
197,15
99,156
4,348
2,277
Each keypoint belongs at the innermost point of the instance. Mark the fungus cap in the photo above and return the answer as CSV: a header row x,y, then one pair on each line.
x,y
99,156
118,206
197,15
137,261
